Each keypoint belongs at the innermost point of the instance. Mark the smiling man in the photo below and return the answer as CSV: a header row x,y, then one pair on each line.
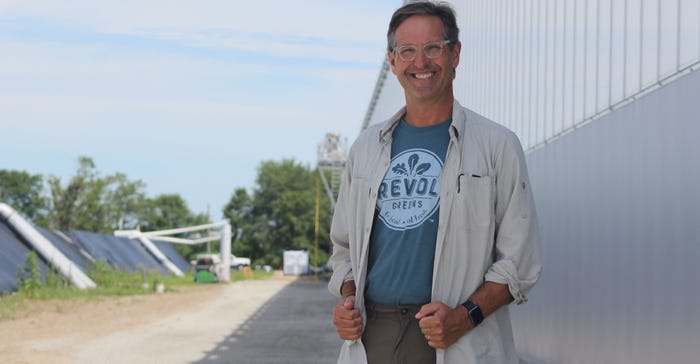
x,y
434,231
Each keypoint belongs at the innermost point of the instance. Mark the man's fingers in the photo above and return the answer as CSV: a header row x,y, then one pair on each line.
x,y
342,311
349,302
349,333
347,320
428,310
428,322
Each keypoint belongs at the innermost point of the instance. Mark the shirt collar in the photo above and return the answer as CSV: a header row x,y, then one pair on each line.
x,y
388,128
456,128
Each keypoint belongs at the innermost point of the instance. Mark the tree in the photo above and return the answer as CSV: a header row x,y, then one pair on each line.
x,y
24,192
92,202
169,211
125,201
280,215
77,205
166,211
239,209
239,213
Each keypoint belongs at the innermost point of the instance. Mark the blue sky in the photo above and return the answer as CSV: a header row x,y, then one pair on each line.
x,y
188,97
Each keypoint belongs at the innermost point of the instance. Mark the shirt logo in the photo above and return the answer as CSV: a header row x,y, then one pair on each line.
x,y
410,192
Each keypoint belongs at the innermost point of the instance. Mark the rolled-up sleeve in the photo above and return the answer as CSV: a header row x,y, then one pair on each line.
x,y
517,260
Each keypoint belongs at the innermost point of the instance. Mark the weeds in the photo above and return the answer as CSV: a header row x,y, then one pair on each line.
x,y
29,280
110,282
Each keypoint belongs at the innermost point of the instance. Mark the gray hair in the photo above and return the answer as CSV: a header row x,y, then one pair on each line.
x,y
442,10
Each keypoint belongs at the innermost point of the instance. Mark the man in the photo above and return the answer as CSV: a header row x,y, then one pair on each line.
x,y
434,231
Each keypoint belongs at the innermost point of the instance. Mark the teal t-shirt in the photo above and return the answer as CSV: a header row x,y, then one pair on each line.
x,y
402,242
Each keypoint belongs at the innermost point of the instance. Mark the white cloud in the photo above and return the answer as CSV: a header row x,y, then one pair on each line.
x,y
357,21
153,112
339,50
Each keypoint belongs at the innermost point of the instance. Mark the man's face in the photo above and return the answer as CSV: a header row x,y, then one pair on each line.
x,y
424,79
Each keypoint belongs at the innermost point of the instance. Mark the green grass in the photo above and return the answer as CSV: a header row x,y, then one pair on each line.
x,y
10,306
238,275
110,282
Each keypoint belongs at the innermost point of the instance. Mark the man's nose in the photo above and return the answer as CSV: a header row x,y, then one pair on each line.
x,y
421,59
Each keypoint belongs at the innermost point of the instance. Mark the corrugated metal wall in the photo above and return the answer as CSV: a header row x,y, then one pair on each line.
x,y
604,97
545,67
619,212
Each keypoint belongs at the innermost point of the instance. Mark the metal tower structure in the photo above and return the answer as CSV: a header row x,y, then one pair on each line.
x,y
332,154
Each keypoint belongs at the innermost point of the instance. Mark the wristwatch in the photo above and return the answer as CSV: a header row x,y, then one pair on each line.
x,y
474,312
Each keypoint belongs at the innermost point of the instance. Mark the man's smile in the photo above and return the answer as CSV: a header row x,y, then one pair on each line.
x,y
424,75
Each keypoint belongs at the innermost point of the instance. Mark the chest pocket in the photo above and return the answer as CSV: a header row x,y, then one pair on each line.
x,y
476,200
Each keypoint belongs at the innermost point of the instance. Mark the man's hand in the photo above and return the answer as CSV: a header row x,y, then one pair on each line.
x,y
347,319
441,325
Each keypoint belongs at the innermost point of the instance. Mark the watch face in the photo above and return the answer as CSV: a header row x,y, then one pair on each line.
x,y
477,315
474,311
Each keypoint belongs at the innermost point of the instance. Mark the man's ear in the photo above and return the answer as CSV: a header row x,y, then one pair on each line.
x,y
455,54
392,61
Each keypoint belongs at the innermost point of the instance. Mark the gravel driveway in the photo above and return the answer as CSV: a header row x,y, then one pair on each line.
x,y
279,320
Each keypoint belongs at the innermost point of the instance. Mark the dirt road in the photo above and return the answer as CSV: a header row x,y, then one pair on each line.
x,y
178,327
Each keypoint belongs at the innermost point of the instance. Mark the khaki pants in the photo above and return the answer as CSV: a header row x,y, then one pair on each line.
x,y
392,336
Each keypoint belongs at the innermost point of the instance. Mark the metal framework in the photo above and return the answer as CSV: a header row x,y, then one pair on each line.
x,y
216,231
332,155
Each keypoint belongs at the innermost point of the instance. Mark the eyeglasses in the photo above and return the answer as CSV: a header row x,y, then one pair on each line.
x,y
408,52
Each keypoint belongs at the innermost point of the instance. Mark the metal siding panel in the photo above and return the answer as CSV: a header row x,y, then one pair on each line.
x,y
618,211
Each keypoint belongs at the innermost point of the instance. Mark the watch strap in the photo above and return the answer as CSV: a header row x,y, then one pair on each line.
x,y
473,312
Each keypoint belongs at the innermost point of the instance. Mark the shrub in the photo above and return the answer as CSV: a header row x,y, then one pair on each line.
x,y
29,276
